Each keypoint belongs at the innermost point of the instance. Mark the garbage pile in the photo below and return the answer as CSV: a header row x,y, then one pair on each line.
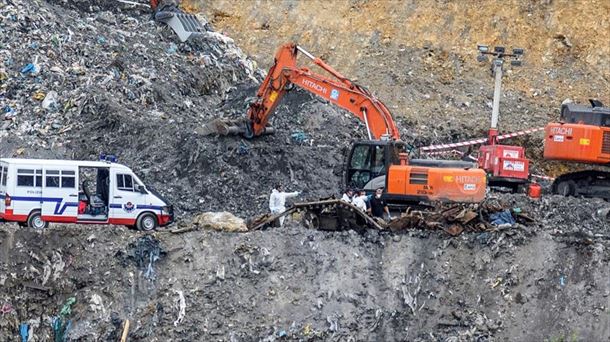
x,y
456,218
77,80
82,77
299,283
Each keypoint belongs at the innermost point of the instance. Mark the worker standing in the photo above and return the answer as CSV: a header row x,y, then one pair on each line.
x,y
379,206
347,196
359,200
277,201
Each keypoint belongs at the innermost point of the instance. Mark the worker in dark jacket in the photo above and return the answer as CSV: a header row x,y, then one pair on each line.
x,y
378,206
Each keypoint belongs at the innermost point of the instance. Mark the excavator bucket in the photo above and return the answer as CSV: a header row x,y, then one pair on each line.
x,y
185,25
230,127
223,127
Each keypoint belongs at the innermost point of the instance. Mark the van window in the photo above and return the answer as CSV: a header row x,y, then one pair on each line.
x,y
3,175
52,179
68,179
29,177
64,179
124,182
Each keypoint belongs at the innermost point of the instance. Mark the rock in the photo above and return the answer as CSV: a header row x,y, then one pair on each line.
x,y
222,221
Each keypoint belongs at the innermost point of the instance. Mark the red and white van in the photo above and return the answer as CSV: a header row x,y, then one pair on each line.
x,y
34,192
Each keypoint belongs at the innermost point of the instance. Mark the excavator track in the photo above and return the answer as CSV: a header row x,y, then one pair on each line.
x,y
589,183
325,214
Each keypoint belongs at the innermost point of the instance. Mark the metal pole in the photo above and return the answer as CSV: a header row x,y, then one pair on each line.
x,y
366,122
495,113
306,53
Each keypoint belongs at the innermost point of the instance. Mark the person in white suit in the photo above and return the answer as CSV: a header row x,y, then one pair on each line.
x,y
277,201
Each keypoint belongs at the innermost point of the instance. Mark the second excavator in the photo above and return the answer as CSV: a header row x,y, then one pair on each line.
x,y
382,161
582,135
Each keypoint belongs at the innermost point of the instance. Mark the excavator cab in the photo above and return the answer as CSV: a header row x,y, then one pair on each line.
x,y
368,162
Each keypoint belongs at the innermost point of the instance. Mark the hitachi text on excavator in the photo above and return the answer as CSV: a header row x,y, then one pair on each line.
x,y
382,161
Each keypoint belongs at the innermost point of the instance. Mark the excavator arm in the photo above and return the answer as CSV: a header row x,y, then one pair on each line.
x,y
338,90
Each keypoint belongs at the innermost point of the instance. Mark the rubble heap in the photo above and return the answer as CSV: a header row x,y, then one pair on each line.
x,y
77,83
82,77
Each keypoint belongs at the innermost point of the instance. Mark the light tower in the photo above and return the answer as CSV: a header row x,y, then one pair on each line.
x,y
499,55
506,165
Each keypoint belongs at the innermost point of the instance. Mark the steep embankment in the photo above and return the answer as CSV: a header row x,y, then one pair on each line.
x,y
419,57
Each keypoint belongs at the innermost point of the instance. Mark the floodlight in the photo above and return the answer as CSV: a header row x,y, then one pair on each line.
x,y
515,62
518,51
482,48
481,58
499,49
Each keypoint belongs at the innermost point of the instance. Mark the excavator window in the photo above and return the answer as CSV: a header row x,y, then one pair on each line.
x,y
379,161
359,172
370,160
361,157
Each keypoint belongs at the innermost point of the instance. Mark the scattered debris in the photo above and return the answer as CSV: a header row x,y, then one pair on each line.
x,y
144,252
181,307
222,221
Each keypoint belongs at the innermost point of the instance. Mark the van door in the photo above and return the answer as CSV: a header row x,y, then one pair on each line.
x,y
60,194
3,186
26,190
126,201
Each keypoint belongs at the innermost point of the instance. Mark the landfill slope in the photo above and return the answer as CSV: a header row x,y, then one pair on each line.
x,y
125,85
420,56
115,82
542,282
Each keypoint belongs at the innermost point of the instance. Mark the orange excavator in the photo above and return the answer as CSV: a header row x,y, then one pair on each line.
x,y
380,162
582,135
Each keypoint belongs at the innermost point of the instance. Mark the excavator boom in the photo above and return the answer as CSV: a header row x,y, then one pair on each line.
x,y
338,90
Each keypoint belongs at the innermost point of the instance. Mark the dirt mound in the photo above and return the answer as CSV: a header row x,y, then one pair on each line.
x,y
121,84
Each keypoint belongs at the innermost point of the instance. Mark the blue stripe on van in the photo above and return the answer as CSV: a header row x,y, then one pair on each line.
x,y
59,209
138,206
154,207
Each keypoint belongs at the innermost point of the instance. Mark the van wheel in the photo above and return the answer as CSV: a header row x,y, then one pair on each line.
x,y
35,221
147,222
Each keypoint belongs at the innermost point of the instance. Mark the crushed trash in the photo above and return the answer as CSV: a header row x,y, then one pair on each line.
x,y
222,221
181,303
501,218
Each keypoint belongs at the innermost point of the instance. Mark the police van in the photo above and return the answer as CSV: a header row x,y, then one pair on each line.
x,y
34,192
